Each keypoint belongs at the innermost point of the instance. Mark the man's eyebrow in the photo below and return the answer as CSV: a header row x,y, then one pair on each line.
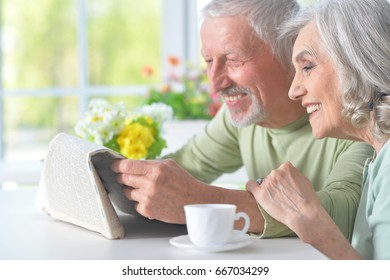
x,y
223,53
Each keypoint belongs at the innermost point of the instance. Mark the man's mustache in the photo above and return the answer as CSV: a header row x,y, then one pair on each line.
x,y
234,90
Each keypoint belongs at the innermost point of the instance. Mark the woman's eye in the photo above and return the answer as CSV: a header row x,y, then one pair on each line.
x,y
308,67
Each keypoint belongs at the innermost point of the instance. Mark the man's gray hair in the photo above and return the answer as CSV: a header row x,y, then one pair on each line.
x,y
357,35
264,16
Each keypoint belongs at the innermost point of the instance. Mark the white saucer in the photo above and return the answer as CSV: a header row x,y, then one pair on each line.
x,y
239,240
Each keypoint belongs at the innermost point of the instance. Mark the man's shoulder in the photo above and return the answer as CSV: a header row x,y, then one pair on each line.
x,y
352,148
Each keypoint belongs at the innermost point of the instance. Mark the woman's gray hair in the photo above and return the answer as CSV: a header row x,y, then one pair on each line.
x,y
357,35
264,16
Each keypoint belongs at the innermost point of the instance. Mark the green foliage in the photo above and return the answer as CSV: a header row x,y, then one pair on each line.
x,y
113,143
174,99
45,35
42,52
193,101
123,36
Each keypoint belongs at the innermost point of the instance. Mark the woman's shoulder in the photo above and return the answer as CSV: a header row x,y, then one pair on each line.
x,y
379,170
383,157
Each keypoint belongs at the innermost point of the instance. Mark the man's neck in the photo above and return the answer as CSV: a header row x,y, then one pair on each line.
x,y
283,118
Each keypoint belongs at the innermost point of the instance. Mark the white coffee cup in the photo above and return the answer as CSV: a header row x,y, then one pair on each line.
x,y
213,224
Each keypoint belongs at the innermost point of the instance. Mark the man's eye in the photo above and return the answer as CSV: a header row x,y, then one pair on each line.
x,y
235,62
208,61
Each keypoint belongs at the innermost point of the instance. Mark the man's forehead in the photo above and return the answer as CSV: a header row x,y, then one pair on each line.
x,y
223,33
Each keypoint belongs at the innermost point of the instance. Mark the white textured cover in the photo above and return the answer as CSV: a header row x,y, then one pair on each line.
x,y
78,186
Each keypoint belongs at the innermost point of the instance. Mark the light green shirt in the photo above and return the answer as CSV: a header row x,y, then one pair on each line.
x,y
333,166
371,235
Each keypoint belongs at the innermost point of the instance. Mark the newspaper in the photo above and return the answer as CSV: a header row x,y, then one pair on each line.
x,y
78,186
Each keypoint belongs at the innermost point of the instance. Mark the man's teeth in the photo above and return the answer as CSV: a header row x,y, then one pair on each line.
x,y
313,108
234,97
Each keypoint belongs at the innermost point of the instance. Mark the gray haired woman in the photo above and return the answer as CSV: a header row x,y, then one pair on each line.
x,y
341,55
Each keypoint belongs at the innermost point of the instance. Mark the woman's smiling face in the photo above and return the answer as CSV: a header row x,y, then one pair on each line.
x,y
316,85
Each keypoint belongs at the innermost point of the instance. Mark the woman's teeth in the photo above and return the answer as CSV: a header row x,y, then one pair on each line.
x,y
312,108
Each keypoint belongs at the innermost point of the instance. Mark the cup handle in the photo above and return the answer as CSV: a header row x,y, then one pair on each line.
x,y
245,216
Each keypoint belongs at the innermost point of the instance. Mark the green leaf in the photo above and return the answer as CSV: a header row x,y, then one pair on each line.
x,y
113,144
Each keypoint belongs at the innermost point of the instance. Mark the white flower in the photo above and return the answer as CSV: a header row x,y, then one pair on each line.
x,y
101,121
160,112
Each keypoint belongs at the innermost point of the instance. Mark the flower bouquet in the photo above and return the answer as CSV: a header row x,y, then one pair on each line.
x,y
135,136
188,94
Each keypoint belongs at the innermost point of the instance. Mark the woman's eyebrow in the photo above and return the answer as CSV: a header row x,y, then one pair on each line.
x,y
300,55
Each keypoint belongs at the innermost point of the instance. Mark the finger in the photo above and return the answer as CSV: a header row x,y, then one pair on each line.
x,y
139,203
251,186
130,193
117,165
134,181
122,179
134,194
136,207
135,167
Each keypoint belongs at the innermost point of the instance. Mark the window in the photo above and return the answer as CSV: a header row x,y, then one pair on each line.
x,y
56,55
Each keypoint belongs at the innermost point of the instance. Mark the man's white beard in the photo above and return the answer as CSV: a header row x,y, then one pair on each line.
x,y
255,115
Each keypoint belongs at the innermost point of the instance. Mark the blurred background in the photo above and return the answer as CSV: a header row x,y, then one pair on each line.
x,y
57,55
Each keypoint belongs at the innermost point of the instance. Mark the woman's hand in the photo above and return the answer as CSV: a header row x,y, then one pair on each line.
x,y
288,196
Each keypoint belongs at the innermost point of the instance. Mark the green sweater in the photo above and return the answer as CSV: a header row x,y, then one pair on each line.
x,y
333,166
371,235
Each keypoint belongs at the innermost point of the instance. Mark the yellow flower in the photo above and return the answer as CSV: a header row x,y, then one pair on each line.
x,y
148,119
135,140
96,118
135,151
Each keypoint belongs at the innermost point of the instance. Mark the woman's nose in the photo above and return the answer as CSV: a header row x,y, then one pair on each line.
x,y
297,89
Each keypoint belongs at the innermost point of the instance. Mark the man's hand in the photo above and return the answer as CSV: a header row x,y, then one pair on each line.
x,y
161,188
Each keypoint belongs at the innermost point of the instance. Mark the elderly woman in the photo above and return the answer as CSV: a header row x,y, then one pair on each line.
x,y
341,56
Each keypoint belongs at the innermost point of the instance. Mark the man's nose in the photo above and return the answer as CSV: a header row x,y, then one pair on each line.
x,y
219,78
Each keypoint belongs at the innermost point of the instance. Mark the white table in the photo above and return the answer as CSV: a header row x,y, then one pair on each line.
x,y
26,233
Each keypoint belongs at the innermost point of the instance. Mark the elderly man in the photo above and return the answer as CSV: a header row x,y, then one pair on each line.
x,y
258,127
